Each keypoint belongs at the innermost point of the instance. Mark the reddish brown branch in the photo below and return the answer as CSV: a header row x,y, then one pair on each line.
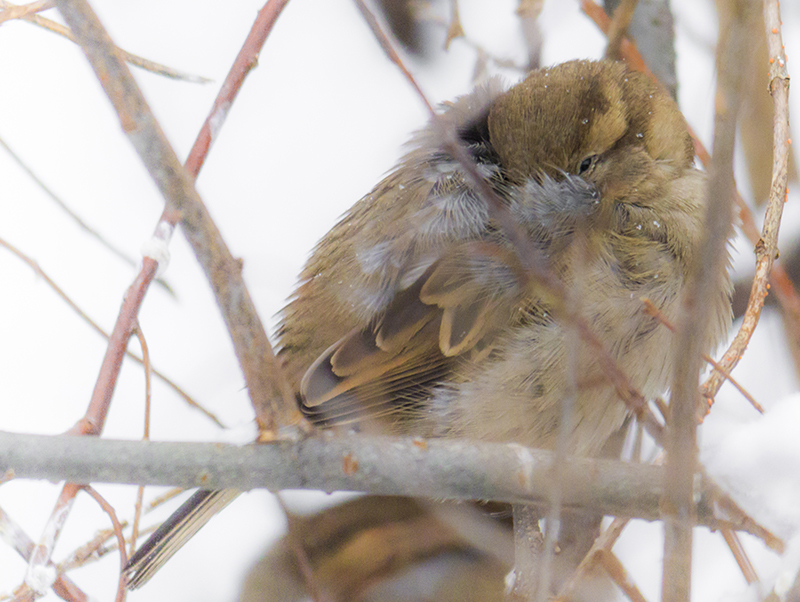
x,y
146,435
245,61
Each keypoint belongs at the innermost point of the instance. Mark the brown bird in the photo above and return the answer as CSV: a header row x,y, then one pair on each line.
x,y
415,315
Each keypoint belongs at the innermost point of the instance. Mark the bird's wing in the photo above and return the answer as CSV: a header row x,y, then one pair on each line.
x,y
452,313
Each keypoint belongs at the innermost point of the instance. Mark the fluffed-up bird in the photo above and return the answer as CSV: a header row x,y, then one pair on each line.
x,y
416,315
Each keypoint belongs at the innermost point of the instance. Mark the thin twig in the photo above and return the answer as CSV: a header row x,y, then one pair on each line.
x,y
735,545
112,515
391,53
92,550
40,558
137,513
619,575
483,54
245,61
75,217
652,310
133,59
85,317
454,29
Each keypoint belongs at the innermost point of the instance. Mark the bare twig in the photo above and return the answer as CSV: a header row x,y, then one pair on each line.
x,y
652,310
735,545
60,292
146,435
245,61
74,216
94,549
619,575
455,29
123,557
133,59
37,577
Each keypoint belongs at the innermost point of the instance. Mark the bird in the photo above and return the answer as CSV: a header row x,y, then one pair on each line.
x,y
417,314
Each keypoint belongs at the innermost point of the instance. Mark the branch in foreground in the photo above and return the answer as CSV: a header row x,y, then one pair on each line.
x,y
441,469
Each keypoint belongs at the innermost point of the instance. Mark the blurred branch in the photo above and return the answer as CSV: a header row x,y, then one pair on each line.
x,y
23,10
701,288
618,29
736,548
652,30
432,468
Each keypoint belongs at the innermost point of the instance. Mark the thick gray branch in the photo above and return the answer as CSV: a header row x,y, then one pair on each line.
x,y
383,465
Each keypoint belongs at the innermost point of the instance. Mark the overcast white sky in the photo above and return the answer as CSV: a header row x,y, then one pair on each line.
x,y
320,121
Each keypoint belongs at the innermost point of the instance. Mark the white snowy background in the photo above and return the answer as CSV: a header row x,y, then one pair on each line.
x,y
318,123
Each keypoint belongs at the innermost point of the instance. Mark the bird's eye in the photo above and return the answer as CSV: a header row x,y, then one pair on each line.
x,y
586,163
